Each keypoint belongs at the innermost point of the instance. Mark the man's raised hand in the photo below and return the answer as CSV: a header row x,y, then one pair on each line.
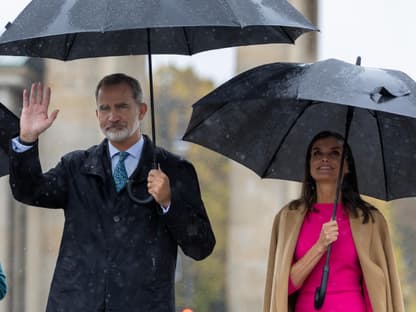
x,y
34,118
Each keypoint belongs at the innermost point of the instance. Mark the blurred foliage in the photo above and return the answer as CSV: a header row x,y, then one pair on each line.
x,y
404,216
175,91
398,234
202,284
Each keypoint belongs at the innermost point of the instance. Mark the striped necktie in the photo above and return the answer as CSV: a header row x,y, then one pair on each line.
x,y
120,173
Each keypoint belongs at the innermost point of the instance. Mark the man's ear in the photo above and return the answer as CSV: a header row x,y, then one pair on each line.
x,y
142,110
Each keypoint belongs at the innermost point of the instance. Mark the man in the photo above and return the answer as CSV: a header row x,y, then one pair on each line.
x,y
115,254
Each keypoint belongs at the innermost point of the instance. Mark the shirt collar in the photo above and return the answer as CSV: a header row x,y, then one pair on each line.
x,y
135,150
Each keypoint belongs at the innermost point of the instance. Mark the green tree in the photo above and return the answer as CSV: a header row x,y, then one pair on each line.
x,y
202,284
400,236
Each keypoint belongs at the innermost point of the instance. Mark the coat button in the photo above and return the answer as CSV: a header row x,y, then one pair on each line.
x,y
116,218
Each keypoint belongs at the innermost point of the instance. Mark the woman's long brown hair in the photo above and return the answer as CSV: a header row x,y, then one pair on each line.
x,y
350,195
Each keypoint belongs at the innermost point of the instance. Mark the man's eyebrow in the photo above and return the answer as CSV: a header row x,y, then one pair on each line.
x,y
117,104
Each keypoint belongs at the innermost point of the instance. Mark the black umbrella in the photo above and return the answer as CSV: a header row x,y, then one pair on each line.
x,y
265,117
9,126
74,29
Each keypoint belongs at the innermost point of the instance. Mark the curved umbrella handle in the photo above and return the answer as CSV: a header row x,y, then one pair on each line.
x,y
150,198
321,290
135,199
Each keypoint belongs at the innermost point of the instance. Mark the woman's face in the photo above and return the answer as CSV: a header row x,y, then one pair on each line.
x,y
325,160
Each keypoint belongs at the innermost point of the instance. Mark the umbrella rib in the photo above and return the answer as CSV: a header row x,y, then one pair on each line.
x,y
287,34
188,46
69,44
382,154
283,139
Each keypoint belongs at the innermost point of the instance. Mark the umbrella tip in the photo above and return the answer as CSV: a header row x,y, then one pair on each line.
x,y
358,61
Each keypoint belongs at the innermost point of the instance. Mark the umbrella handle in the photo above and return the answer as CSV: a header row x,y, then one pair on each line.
x,y
139,201
321,290
150,198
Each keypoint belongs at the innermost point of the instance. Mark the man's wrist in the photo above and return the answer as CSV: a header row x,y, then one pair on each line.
x,y
25,142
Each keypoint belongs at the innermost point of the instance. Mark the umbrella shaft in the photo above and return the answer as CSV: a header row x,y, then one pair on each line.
x,y
152,105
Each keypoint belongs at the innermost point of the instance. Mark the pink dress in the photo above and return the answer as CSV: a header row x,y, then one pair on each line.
x,y
344,290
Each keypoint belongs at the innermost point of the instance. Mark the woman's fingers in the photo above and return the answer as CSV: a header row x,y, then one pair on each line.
x,y
329,232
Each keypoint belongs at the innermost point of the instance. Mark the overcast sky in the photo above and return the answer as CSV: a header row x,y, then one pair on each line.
x,y
377,30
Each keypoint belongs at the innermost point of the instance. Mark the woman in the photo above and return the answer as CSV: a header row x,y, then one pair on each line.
x,y
363,275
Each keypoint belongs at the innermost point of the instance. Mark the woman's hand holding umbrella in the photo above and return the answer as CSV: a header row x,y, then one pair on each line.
x,y
301,269
328,235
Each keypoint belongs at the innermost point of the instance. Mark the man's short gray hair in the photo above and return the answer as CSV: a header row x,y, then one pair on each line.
x,y
118,78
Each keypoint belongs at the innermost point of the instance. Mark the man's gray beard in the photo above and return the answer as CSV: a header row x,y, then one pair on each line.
x,y
121,135
117,136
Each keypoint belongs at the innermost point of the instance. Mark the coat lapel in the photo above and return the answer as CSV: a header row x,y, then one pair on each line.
x,y
98,161
292,227
361,234
288,231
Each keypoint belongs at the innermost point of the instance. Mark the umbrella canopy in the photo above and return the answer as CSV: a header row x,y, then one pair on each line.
x,y
9,126
74,29
265,118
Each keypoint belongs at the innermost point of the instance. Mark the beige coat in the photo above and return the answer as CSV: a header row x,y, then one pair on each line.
x,y
375,253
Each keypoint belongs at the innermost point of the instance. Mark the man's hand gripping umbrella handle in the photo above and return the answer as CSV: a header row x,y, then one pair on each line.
x,y
139,201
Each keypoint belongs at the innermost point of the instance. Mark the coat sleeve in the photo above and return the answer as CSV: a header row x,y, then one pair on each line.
x,y
187,219
30,186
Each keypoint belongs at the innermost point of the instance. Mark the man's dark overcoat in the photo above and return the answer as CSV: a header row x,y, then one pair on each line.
x,y
115,255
